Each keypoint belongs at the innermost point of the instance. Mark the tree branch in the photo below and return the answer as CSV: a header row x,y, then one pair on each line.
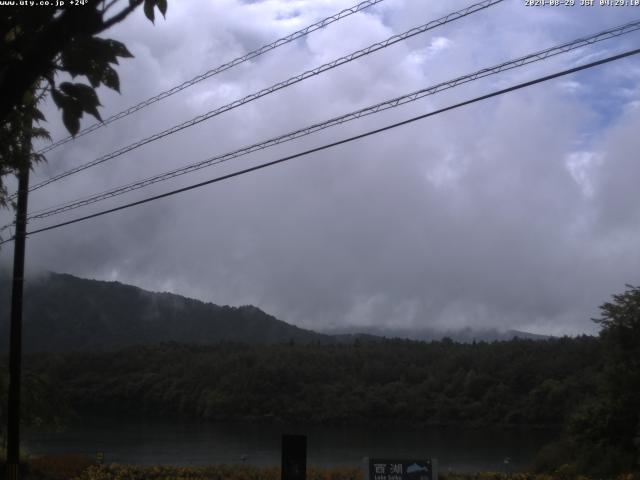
x,y
117,18
20,75
108,5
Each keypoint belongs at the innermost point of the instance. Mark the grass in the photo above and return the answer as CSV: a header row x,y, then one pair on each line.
x,y
77,467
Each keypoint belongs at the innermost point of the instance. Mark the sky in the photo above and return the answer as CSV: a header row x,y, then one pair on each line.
x,y
517,212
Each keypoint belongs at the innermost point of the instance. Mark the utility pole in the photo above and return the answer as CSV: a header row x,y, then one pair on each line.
x,y
15,345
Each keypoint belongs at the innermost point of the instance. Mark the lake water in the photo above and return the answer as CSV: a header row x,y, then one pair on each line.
x,y
157,442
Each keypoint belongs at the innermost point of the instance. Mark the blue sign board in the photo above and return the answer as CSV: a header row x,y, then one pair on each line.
x,y
401,469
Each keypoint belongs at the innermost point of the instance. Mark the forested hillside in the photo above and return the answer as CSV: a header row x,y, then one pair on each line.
x,y
64,313
521,382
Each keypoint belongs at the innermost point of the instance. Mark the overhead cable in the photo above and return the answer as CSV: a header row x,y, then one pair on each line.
x,y
339,142
379,107
278,86
214,71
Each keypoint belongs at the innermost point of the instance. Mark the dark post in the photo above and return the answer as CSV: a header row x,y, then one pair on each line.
x,y
294,457
15,345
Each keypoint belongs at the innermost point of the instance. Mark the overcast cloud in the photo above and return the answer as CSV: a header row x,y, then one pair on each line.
x,y
518,212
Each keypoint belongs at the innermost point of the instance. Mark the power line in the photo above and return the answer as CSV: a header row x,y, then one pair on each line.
x,y
214,71
278,86
339,142
379,107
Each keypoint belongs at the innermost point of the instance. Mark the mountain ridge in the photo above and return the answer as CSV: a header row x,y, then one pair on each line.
x,y
63,312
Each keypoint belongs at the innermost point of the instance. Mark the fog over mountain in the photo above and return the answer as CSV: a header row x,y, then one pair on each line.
x,y
463,335
517,213
65,313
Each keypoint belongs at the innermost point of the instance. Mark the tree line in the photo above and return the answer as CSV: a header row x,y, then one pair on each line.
x,y
521,382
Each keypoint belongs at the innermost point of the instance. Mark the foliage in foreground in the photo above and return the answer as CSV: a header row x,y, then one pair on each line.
x,y
77,467
221,472
36,45
229,472
606,428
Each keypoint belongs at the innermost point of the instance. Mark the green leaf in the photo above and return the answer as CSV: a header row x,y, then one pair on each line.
x,y
74,99
119,49
110,79
92,57
38,157
58,98
83,96
148,9
94,77
71,120
40,132
38,115
78,91
162,6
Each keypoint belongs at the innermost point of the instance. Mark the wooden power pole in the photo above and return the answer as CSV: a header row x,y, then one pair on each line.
x,y
15,345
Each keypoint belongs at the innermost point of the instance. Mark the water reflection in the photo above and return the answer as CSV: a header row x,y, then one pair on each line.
x,y
154,442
